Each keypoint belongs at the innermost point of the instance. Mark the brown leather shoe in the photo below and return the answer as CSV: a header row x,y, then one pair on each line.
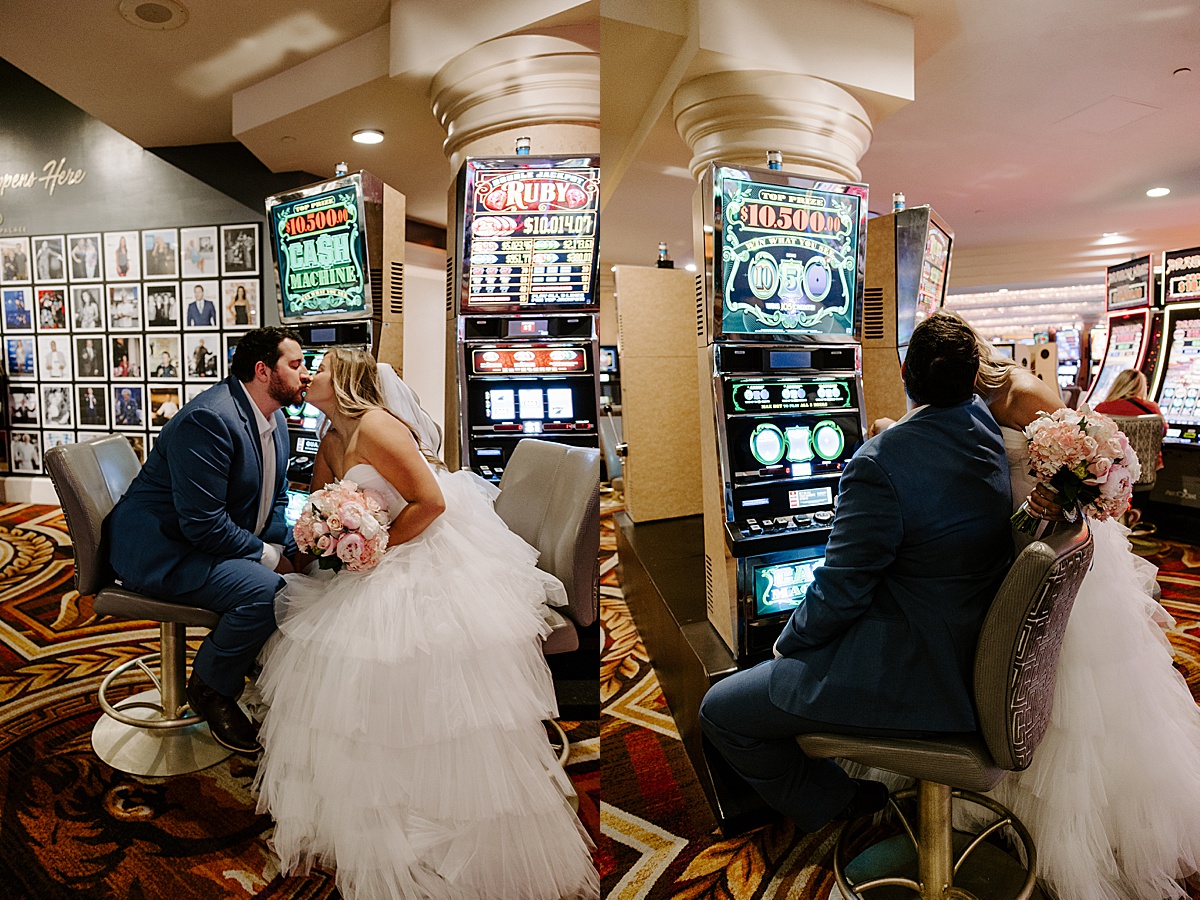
x,y
226,721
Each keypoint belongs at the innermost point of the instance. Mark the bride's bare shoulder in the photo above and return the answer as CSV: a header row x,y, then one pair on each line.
x,y
1022,397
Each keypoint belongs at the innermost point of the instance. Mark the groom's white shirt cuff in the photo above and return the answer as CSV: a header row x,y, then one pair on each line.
x,y
271,554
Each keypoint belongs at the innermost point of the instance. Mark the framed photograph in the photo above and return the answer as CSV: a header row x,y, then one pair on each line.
x,y
90,361
138,443
162,305
163,357
200,299
124,307
239,303
122,259
57,438
165,401
129,406
200,357
20,355
51,309
198,252
160,253
87,310
26,453
54,357
18,309
23,405
49,259
126,357
239,249
229,344
92,406
56,406
14,260
192,391
83,257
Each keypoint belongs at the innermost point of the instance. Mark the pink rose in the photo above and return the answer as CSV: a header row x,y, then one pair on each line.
x,y
323,543
351,514
319,528
351,550
334,522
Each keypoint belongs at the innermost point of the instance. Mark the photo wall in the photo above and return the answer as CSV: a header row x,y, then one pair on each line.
x,y
117,330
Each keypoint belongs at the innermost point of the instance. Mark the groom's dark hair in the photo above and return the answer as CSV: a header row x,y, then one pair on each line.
x,y
942,362
262,344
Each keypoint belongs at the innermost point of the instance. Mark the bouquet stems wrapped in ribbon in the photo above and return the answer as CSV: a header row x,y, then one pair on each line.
x,y
343,526
1085,459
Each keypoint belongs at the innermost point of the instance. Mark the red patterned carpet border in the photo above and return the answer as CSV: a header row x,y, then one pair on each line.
x,y
659,838
71,826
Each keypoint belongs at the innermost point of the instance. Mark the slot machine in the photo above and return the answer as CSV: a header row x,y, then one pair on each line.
x,y
1176,386
781,392
338,248
523,306
1127,302
1067,342
908,267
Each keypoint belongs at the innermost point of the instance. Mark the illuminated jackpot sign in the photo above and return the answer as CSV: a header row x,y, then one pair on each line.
x,y
531,235
528,360
1181,276
1128,285
789,258
321,251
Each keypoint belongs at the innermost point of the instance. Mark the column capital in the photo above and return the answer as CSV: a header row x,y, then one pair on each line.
x,y
737,116
532,85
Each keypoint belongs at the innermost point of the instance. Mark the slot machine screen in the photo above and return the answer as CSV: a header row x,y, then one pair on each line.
x,y
1179,391
319,242
1124,351
931,291
530,234
1127,286
791,256
780,587
531,406
791,446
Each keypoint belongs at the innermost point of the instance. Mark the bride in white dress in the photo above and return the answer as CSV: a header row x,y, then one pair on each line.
x,y
403,743
1112,797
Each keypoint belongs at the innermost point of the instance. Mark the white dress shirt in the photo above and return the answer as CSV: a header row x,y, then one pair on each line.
x,y
266,437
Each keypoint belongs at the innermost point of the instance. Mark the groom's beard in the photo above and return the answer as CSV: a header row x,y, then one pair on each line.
x,y
282,394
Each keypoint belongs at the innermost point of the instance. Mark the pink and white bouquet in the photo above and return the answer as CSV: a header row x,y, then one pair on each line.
x,y
342,525
1085,459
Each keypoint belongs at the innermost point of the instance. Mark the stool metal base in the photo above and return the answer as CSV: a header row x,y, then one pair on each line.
x,y
988,872
154,752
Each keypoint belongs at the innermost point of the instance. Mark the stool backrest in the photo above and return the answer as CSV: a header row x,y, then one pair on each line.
x,y
1016,659
550,496
90,478
1145,434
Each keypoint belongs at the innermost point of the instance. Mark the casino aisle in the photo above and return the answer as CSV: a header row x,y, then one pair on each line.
x,y
659,837
73,827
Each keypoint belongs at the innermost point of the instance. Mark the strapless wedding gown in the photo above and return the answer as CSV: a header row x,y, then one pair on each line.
x,y
1112,797
403,743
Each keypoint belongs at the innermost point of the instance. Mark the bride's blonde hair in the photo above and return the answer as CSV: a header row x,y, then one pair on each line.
x,y
994,367
354,376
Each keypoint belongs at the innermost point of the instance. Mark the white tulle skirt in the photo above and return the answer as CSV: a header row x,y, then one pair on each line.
x,y
403,743
1112,798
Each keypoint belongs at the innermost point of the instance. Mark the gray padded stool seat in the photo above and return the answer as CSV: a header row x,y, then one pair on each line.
x,y
154,732
550,496
1015,665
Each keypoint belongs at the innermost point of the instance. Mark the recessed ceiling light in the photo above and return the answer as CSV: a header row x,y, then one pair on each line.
x,y
367,136
691,267
155,15
1111,234
1158,192
1003,290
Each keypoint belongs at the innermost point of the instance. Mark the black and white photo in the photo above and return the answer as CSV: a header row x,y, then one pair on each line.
x,y
56,406
26,451
90,364
239,249
83,257
23,404
162,305
200,356
87,310
92,406
49,259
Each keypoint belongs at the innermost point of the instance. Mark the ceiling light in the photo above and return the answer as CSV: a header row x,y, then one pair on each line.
x,y
1158,192
691,267
154,15
1111,234
367,136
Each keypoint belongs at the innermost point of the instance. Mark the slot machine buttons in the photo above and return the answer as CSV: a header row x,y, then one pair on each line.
x,y
804,520
753,527
823,516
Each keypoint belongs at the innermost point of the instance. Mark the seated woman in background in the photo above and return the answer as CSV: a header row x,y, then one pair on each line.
x,y
1127,397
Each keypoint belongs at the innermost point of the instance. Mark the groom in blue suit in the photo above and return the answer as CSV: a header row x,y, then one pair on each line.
x,y
203,524
884,641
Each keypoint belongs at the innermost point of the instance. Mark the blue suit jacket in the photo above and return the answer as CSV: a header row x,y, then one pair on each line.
x,y
886,634
195,501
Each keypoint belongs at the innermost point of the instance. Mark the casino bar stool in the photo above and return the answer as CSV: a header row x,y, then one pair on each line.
x,y
550,496
1015,665
154,732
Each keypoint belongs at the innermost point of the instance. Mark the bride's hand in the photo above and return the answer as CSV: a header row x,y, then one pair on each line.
x,y
881,424
1043,503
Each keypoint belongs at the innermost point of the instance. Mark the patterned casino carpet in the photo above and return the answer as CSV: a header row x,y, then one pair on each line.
x,y
72,827
658,837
